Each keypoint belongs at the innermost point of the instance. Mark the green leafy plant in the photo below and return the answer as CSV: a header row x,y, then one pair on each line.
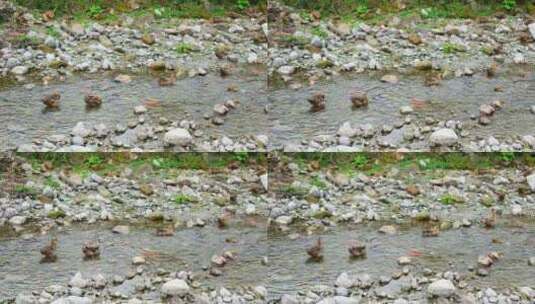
x,y
241,156
95,10
52,31
318,31
450,199
93,161
181,199
184,48
362,10
52,183
243,4
450,48
360,160
507,156
317,182
509,4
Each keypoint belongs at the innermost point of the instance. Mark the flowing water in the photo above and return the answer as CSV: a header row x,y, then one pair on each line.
x,y
292,271
288,270
457,99
23,117
188,249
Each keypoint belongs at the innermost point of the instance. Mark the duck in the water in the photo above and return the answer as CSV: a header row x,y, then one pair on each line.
x,y
490,220
52,100
317,101
431,230
49,251
357,249
91,250
166,231
92,100
315,252
167,81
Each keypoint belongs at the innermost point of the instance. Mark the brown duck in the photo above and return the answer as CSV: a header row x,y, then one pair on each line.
x,y
433,79
52,100
91,250
431,231
315,252
490,220
492,69
92,100
317,101
167,81
223,221
49,251
359,99
357,250
166,231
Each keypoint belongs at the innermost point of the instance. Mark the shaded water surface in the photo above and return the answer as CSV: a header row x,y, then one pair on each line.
x,y
456,99
23,117
288,270
189,249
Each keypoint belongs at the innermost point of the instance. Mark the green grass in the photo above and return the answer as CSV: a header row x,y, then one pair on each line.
x,y
181,199
25,190
318,183
93,160
298,192
184,48
382,10
378,163
107,10
55,214
449,199
318,31
52,183
52,31
451,48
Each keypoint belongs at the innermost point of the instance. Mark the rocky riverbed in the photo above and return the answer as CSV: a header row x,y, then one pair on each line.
x,y
317,196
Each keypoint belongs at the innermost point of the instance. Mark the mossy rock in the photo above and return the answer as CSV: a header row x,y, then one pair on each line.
x,y
55,214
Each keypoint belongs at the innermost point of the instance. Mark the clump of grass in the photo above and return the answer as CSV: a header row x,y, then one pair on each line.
x,y
319,31
298,192
360,160
509,4
94,11
26,190
52,31
450,48
318,183
450,199
55,214
184,48
94,160
181,199
242,4
25,40
241,157
52,183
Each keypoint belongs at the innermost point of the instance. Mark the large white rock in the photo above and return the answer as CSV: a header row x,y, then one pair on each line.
x,y
531,181
175,287
177,137
81,130
531,28
17,220
444,137
73,300
20,70
78,281
344,280
441,288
